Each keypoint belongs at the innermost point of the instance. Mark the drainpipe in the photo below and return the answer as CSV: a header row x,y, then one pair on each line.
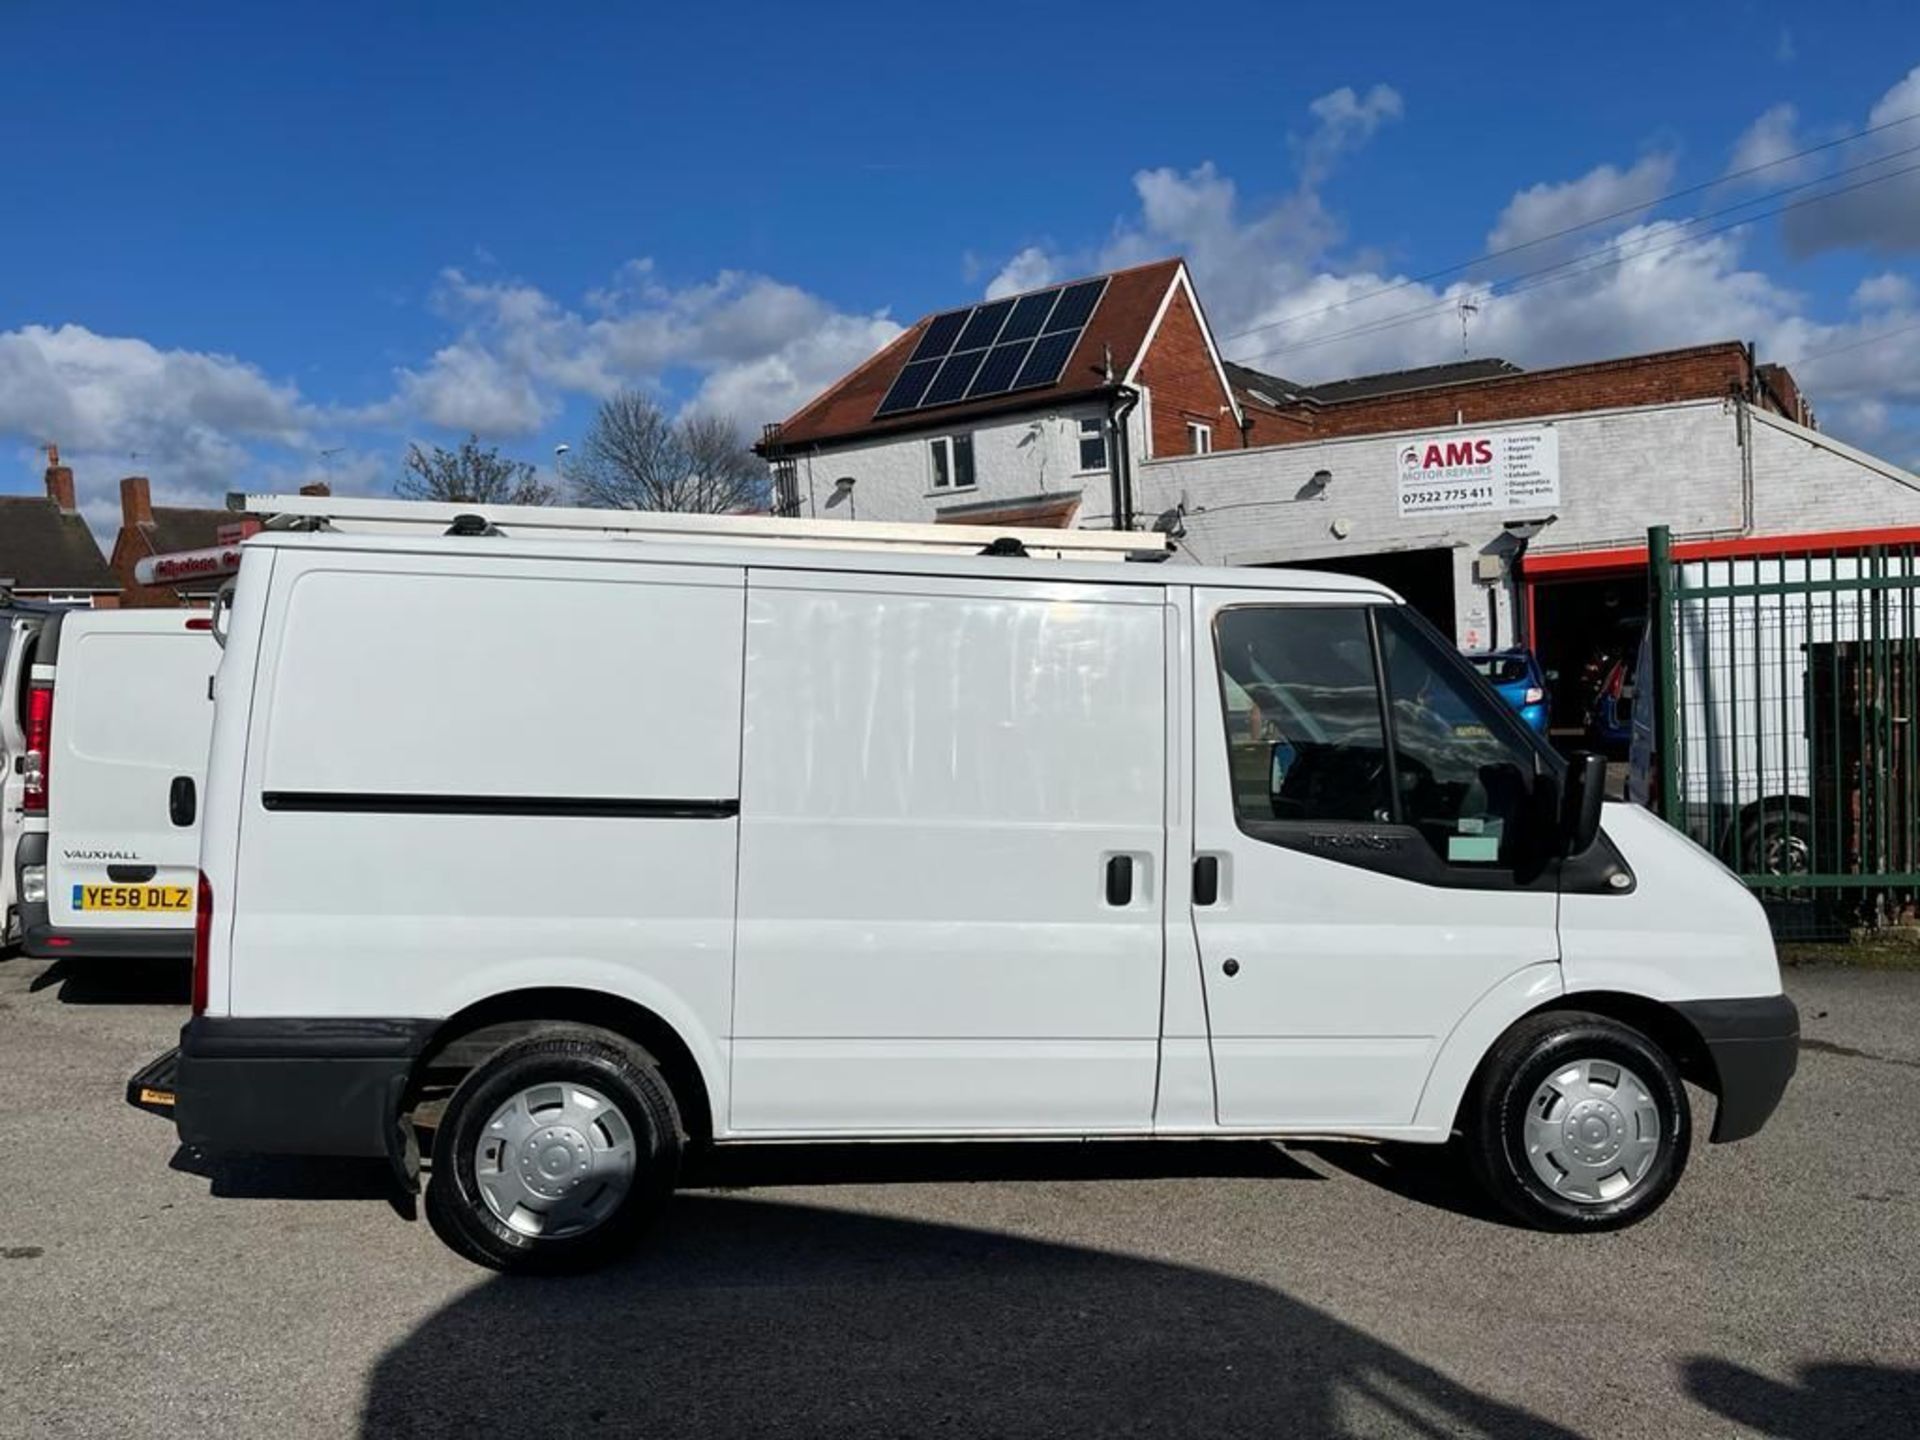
x,y
1120,404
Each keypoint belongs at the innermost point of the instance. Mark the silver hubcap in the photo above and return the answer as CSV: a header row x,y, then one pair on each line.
x,y
1592,1131
555,1160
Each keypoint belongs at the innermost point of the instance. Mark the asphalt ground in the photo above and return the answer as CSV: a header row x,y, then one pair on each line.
x,y
1098,1289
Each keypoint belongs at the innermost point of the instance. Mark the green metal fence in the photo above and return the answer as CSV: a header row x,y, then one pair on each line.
x,y
1786,688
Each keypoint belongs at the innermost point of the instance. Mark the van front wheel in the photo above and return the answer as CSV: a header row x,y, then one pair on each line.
x,y
1579,1123
554,1152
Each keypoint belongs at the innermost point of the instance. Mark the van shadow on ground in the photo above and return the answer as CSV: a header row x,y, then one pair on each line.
x,y
1830,1402
744,1317
118,982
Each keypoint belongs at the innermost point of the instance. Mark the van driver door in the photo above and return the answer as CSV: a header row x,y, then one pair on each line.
x,y
1366,841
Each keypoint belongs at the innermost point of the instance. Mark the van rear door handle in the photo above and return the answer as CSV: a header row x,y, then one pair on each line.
x,y
1206,880
1120,880
182,803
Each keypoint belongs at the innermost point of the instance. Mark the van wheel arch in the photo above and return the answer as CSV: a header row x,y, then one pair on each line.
x,y
470,1036
1659,1022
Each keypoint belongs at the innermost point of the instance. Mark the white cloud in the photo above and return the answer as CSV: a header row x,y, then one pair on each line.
x,y
1605,191
1345,122
1886,291
118,405
1884,216
1284,298
1766,144
752,347
1032,268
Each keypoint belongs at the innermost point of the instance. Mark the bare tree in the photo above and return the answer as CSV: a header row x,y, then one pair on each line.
x,y
635,458
472,473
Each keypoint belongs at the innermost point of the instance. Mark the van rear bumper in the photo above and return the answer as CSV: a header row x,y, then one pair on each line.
x,y
1755,1047
48,942
43,940
294,1086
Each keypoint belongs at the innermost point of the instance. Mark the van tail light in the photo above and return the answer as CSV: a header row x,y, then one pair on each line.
x,y
1533,696
38,766
1616,680
202,942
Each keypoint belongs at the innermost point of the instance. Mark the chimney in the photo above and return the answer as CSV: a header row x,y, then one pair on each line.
x,y
60,481
136,502
316,487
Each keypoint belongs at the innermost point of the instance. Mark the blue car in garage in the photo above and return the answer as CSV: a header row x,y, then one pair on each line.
x,y
1516,674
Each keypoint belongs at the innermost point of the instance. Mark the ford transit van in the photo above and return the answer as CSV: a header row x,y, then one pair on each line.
x,y
568,850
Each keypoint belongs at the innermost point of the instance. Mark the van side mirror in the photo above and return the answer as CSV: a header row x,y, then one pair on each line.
x,y
1586,788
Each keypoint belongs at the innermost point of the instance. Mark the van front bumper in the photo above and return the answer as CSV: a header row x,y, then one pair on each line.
x,y
1754,1045
287,1086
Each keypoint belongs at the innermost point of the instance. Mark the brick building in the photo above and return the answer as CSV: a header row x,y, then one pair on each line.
x,y
149,529
46,550
1510,505
966,416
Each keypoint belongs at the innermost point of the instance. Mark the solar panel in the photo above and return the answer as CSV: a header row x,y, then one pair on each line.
x,y
1028,316
910,387
997,374
994,348
956,373
1047,359
1075,307
942,331
984,326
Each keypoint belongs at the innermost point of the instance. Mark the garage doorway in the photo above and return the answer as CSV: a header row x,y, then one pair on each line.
x,y
1582,629
1424,578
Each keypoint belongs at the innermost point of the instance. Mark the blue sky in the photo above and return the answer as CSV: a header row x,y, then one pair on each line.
x,y
240,236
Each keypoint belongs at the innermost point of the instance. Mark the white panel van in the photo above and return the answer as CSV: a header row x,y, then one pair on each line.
x,y
118,714
571,853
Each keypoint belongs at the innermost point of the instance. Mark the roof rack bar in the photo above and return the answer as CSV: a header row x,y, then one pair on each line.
x,y
347,514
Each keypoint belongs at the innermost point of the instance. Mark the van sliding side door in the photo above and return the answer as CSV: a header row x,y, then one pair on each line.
x,y
952,855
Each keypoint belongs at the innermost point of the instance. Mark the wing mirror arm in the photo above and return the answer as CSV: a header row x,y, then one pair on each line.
x,y
1584,791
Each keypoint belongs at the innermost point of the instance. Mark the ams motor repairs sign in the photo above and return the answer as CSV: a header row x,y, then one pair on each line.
x,y
1494,470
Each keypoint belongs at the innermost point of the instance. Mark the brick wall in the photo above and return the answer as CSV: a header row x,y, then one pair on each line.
x,y
1179,374
1707,372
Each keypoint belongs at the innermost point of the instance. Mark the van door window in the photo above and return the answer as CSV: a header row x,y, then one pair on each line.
x,y
1465,780
1304,730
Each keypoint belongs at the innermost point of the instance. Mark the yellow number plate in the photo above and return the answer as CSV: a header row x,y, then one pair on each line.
x,y
132,897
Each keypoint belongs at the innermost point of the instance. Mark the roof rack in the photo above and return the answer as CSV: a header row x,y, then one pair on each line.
x,y
347,515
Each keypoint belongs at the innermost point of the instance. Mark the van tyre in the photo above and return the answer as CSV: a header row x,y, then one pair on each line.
x,y
555,1152
1578,1123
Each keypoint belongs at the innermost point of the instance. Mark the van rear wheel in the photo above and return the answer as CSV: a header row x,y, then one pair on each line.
x,y
1579,1123
555,1152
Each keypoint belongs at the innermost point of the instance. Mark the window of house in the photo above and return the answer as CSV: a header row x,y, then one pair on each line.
x,y
952,462
1093,444
1309,739
1199,438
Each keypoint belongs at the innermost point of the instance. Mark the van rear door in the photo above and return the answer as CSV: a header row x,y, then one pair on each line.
x,y
15,642
131,720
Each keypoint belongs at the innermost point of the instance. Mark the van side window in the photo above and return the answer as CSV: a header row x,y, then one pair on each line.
x,y
1304,730
1464,781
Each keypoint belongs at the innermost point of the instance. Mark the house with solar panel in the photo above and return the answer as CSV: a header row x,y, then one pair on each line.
x,y
1022,410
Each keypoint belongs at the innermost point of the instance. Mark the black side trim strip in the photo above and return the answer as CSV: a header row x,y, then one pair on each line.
x,y
300,1038
367,803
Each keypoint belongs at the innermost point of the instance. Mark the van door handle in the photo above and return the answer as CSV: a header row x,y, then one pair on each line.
x,y
1206,880
182,803
1120,880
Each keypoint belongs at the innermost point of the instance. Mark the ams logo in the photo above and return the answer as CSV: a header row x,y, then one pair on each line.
x,y
1452,455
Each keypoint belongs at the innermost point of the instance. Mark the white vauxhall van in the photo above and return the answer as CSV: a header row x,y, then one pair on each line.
x,y
579,848
117,714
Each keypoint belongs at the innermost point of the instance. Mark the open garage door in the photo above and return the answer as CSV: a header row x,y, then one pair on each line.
x,y
1582,630
1423,578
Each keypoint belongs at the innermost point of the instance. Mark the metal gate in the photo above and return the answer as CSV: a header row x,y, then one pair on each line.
x,y
1782,731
